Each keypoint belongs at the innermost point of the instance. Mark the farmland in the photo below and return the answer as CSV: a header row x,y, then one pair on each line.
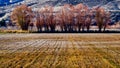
x,y
60,50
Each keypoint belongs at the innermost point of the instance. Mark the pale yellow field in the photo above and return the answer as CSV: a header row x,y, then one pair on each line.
x,y
59,50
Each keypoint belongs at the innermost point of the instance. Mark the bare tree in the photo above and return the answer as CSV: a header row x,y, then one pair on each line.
x,y
71,18
22,15
48,18
88,19
62,17
39,21
107,19
101,18
59,21
52,20
81,12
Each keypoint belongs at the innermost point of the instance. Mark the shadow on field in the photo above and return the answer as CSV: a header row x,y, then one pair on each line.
x,y
91,31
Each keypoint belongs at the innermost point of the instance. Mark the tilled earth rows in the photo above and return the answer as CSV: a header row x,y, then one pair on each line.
x,y
59,51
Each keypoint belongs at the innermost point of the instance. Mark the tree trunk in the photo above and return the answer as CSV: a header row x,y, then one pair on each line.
x,y
100,29
24,28
88,28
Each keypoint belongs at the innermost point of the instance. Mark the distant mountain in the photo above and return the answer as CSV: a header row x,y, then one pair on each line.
x,y
7,2
113,5
36,4
73,2
108,4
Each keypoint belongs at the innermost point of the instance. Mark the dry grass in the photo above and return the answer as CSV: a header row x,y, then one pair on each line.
x,y
60,50
14,31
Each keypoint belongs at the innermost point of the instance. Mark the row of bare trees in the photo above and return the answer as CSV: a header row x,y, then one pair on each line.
x,y
69,18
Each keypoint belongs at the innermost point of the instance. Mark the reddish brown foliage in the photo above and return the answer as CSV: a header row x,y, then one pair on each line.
x,y
69,18
22,15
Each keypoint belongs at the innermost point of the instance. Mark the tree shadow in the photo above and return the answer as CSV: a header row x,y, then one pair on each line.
x,y
91,31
